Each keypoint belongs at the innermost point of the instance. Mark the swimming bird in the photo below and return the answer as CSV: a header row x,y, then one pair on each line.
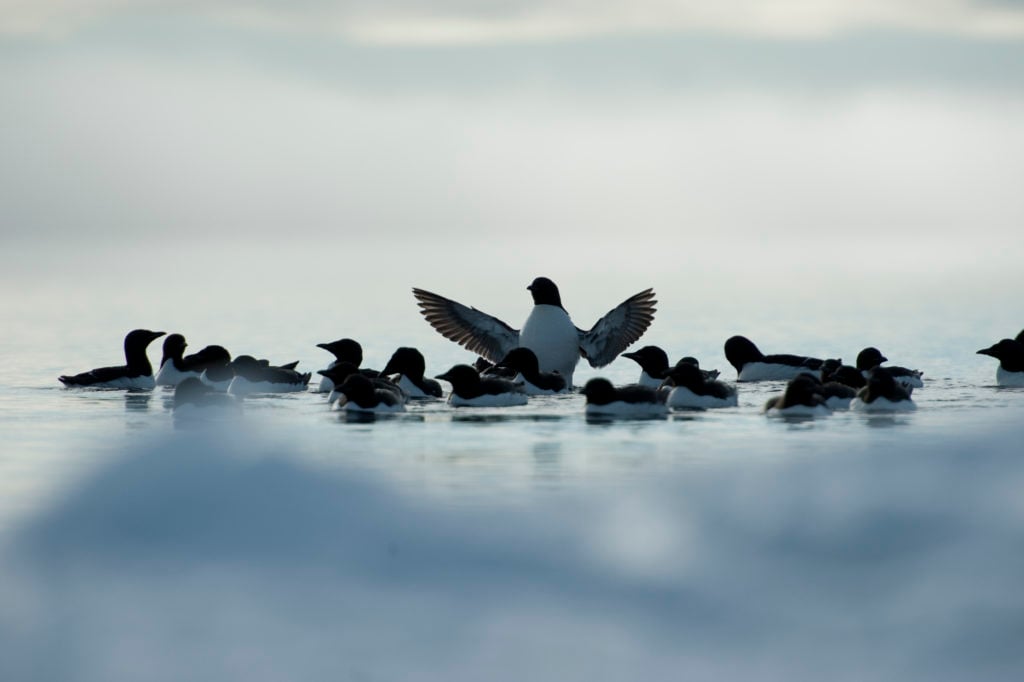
x,y
218,374
343,350
360,393
192,394
708,373
337,373
631,400
176,366
1010,353
469,389
836,395
883,393
753,365
800,399
833,370
653,361
871,357
523,362
548,331
135,373
411,366
692,390
251,376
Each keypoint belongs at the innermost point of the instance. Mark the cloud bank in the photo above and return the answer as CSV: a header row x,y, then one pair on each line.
x,y
453,22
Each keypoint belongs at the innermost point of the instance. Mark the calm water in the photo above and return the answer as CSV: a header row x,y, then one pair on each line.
x,y
510,543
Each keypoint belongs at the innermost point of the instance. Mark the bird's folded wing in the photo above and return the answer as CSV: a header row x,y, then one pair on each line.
x,y
96,376
479,332
620,327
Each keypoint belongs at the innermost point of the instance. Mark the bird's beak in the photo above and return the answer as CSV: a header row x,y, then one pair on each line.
x,y
985,351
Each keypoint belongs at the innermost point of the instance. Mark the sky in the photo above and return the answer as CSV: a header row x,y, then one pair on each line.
x,y
718,149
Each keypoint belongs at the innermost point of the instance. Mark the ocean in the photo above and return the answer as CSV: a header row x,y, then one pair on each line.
x,y
294,542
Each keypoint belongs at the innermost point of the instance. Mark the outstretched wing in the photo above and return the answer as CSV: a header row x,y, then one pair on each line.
x,y
479,332
619,328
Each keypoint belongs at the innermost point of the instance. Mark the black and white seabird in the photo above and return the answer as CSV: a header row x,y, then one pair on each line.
x,y
191,395
359,393
709,374
175,366
411,366
654,365
1010,353
753,365
135,373
653,361
548,331
871,357
834,371
692,390
253,376
343,350
802,398
633,400
836,394
883,393
524,362
469,389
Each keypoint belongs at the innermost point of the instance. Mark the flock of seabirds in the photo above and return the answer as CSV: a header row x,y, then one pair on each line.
x,y
538,359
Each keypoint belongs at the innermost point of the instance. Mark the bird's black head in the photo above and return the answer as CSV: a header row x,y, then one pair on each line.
x,y
346,350
522,360
599,391
880,377
341,371
687,375
829,366
739,350
869,358
357,388
803,389
215,355
545,292
135,344
1009,352
246,366
460,376
652,359
174,345
405,360
140,338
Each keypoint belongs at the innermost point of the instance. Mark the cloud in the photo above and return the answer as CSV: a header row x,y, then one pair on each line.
x,y
454,22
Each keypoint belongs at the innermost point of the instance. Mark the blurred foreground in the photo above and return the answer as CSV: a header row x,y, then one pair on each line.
x,y
199,559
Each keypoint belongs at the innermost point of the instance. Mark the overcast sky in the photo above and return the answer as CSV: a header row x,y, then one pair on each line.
x,y
595,140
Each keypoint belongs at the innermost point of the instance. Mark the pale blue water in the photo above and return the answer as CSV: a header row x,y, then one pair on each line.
x,y
514,543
